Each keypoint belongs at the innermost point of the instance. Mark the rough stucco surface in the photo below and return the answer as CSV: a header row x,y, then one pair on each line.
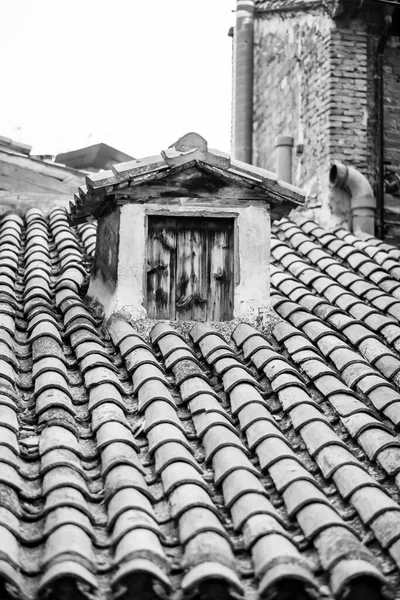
x,y
252,249
292,93
127,294
254,238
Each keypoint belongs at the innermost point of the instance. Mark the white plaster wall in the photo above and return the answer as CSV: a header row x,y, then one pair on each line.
x,y
252,250
253,247
131,262
104,293
128,294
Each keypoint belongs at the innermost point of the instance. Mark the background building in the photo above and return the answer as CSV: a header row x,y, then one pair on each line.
x,y
27,180
327,74
32,180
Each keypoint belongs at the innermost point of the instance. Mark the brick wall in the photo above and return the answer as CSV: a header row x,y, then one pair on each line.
x,y
391,115
392,103
305,85
290,97
348,113
392,134
315,80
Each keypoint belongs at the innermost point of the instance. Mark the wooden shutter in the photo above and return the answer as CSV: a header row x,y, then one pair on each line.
x,y
221,261
161,264
190,268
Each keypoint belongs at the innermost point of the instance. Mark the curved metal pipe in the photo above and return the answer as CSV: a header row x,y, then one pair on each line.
x,y
243,42
362,199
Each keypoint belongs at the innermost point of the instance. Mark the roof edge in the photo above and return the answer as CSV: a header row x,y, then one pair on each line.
x,y
332,7
191,149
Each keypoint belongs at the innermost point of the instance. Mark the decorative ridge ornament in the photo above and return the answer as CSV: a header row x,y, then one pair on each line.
x,y
190,141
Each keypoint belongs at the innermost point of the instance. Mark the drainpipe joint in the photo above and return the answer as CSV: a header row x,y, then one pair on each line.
x,y
362,200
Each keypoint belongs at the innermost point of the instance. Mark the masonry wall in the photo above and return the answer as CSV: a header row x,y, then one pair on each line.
x,y
392,103
391,115
313,81
293,96
392,134
291,71
348,112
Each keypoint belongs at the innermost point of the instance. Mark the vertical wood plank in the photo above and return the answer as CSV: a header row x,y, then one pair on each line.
x,y
200,272
221,267
183,271
190,268
192,275
161,267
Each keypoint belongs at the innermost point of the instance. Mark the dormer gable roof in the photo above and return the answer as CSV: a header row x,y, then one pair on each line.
x,y
190,151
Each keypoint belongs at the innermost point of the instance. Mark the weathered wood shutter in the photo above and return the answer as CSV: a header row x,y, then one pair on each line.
x,y
190,268
221,268
161,265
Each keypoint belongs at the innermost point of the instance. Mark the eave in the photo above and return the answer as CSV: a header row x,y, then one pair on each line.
x,y
127,177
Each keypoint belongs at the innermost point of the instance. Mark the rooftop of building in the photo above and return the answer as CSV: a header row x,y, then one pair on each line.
x,y
93,158
335,7
203,461
212,172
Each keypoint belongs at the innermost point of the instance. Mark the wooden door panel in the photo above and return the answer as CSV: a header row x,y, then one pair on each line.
x,y
220,305
161,268
191,270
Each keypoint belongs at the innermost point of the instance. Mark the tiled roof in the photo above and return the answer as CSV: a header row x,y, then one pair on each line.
x,y
27,181
332,6
259,464
190,150
290,5
14,146
94,157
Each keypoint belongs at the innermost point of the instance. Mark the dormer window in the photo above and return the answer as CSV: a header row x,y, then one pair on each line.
x,y
190,268
184,235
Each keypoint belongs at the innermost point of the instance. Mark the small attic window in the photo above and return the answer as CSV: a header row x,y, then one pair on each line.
x,y
190,268
183,235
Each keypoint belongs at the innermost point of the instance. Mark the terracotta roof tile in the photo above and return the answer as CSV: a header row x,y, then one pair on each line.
x,y
203,464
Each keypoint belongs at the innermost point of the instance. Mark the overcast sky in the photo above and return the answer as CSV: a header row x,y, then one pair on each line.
x,y
136,74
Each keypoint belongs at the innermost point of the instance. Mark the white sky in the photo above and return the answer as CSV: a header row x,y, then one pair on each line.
x,y
136,74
